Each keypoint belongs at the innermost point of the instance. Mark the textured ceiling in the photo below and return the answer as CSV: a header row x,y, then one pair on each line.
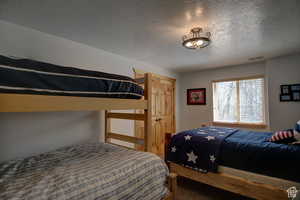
x,y
151,30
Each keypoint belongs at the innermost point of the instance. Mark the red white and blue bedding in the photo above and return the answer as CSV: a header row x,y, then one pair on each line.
x,y
25,76
198,148
239,149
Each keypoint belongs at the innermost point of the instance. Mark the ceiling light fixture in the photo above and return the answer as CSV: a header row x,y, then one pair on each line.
x,y
196,39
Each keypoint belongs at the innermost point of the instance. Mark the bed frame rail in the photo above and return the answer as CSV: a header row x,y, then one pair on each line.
x,y
48,103
231,183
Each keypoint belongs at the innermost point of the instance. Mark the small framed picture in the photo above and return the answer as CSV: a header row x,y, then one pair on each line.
x,y
285,89
285,97
295,87
296,96
196,96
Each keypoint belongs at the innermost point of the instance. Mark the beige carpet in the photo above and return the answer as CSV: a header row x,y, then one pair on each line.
x,y
191,190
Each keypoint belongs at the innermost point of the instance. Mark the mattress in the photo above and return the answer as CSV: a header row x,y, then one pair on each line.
x,y
250,151
85,171
25,76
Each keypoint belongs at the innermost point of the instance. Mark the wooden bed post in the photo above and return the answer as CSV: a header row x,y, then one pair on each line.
x,y
148,113
107,126
172,182
168,137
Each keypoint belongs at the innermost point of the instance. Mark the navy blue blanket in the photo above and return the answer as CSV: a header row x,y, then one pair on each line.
x,y
251,151
25,76
198,148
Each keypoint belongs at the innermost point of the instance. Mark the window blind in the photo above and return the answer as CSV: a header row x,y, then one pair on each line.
x,y
239,101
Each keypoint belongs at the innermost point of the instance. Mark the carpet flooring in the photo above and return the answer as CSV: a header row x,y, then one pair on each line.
x,y
191,190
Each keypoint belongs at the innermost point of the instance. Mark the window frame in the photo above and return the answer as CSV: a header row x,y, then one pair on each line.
x,y
259,125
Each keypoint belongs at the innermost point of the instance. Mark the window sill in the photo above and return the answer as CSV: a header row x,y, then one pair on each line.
x,y
240,125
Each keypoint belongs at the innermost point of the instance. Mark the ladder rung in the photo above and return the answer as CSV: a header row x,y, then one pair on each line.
x,y
130,116
126,138
121,146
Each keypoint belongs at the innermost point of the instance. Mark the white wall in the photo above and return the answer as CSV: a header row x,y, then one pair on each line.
x,y
195,115
279,115
283,70
23,134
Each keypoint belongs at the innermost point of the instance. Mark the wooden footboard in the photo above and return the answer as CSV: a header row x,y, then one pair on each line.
x,y
231,183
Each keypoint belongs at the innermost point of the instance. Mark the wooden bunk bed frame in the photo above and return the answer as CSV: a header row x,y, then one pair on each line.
x,y
48,103
228,182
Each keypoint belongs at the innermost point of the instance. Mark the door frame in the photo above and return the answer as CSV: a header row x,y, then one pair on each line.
x,y
138,73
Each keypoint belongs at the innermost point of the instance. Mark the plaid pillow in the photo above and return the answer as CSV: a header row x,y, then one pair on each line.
x,y
286,136
297,126
297,132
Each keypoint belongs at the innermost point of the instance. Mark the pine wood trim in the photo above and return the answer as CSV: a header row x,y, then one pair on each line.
x,y
107,126
239,78
174,108
241,125
172,186
238,102
129,116
138,71
126,138
47,103
168,197
231,183
262,125
148,113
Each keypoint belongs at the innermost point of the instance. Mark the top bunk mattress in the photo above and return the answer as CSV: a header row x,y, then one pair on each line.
x,y
25,76
85,171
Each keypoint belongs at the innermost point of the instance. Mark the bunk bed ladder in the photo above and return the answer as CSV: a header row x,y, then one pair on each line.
x,y
146,117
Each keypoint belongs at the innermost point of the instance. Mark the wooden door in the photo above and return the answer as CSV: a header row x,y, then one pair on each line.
x,y
163,112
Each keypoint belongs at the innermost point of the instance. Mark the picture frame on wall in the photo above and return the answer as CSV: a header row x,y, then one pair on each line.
x,y
285,89
196,96
296,96
290,92
285,97
295,88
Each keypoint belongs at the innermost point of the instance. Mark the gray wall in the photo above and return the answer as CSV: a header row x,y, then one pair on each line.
x,y
279,115
283,70
195,115
24,134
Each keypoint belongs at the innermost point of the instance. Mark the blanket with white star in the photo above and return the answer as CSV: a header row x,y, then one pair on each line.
x,y
198,148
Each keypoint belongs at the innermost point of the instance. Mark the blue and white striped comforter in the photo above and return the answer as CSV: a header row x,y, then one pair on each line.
x,y
86,171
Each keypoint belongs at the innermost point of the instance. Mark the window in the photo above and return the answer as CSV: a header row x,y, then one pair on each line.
x,y
239,101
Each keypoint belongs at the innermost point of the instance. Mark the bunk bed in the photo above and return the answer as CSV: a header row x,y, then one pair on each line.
x,y
33,86
240,161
